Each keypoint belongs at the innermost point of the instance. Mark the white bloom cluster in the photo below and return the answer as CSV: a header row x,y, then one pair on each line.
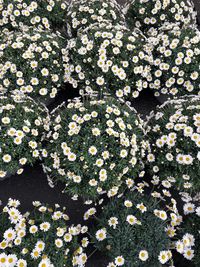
x,y
188,243
185,246
132,221
41,238
32,62
176,61
22,126
43,14
94,146
82,13
174,134
149,15
109,59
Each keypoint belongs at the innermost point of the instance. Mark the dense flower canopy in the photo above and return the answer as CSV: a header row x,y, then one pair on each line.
x,y
176,61
42,238
109,59
32,62
93,147
174,135
43,14
149,15
189,243
139,180
83,13
23,123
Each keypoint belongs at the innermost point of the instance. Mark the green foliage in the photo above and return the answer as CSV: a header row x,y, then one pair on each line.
x,y
128,238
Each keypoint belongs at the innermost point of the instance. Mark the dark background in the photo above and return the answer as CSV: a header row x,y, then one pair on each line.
x,y
32,184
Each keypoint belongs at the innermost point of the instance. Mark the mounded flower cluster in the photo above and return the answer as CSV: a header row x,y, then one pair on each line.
x,y
41,238
97,146
176,61
82,13
132,231
149,15
174,135
32,62
43,14
94,147
23,123
109,59
189,244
